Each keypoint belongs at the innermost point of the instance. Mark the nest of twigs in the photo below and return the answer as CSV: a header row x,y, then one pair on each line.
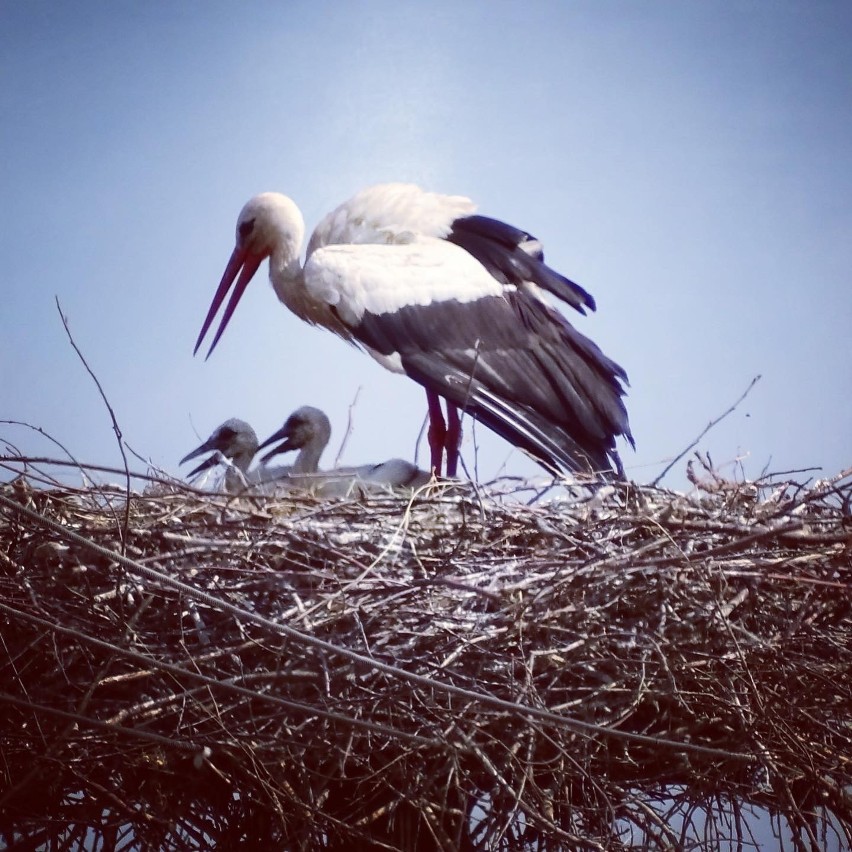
x,y
467,669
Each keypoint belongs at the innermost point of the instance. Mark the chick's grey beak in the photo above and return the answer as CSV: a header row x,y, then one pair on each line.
x,y
283,435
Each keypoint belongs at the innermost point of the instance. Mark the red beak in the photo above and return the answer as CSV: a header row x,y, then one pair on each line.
x,y
240,259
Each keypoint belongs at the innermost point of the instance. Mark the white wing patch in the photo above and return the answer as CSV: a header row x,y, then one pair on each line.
x,y
381,279
392,362
390,213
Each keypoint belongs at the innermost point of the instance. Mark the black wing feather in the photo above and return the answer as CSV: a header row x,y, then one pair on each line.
x,y
505,251
518,366
512,361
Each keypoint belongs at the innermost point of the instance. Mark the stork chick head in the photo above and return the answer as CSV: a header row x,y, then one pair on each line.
x,y
306,426
234,439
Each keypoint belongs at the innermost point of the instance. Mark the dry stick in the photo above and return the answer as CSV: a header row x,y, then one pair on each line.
x,y
706,429
27,460
226,685
463,411
73,463
148,462
115,427
420,438
349,426
49,438
166,479
91,722
786,472
484,698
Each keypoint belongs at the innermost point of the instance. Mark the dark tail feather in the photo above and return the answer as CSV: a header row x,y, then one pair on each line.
x,y
514,257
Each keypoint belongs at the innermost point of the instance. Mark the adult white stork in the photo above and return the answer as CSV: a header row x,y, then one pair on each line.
x,y
308,430
453,300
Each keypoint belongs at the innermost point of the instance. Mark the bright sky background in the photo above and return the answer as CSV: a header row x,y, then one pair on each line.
x,y
690,164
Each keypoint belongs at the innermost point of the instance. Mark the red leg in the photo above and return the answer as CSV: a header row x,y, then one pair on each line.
x,y
437,431
452,440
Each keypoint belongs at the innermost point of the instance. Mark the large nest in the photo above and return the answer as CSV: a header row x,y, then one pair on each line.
x,y
467,669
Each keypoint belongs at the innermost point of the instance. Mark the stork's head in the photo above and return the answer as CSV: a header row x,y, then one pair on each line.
x,y
307,426
269,225
234,439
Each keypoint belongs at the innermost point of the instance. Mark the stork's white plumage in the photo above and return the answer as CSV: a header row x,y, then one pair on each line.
x,y
453,300
308,430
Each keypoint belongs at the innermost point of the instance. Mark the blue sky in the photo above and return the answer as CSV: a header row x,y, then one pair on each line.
x,y
690,164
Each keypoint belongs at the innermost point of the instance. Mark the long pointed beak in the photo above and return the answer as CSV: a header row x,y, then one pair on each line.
x,y
283,435
211,461
198,451
240,259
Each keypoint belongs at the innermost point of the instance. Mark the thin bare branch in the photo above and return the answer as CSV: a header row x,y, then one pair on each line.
x,y
115,426
704,431
350,423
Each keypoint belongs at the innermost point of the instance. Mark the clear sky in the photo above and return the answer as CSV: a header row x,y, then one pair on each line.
x,y
690,164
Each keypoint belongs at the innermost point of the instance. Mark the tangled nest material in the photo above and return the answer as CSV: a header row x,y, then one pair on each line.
x,y
471,668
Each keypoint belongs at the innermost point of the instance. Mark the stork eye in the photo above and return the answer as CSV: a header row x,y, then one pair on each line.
x,y
245,228
227,434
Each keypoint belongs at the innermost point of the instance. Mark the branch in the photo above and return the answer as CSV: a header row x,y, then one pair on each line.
x,y
349,426
115,426
706,429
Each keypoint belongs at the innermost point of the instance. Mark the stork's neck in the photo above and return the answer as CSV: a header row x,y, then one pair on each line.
x,y
242,459
308,459
235,481
288,280
286,273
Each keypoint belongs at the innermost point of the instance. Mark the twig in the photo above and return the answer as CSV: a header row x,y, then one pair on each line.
x,y
786,473
166,479
115,427
303,638
49,438
139,457
706,429
420,435
467,391
637,609
225,685
74,462
350,421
